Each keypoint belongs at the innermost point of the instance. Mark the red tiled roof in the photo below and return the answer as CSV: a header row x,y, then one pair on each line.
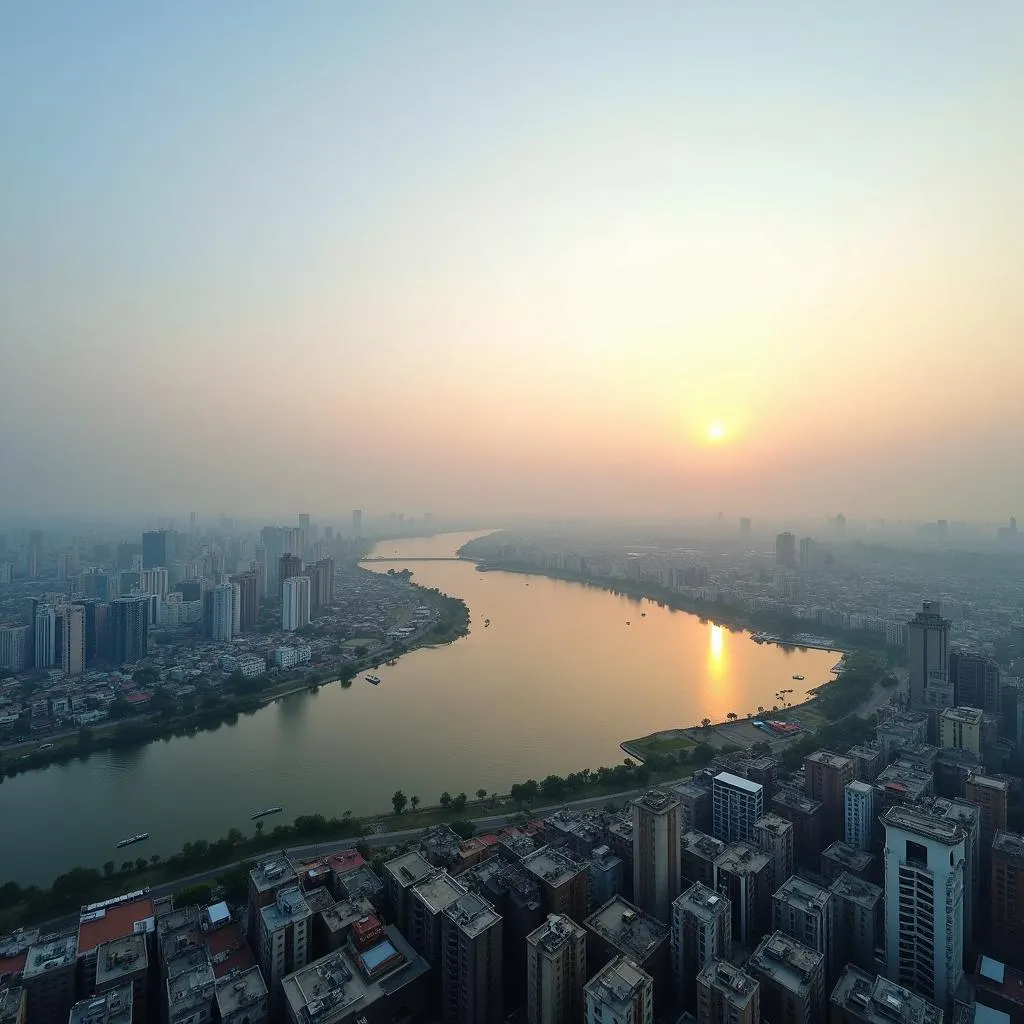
x,y
345,861
488,839
116,922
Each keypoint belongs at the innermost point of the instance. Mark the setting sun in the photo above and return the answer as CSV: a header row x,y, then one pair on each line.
x,y
716,431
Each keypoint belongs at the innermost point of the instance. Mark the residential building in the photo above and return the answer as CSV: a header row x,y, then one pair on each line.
x,y
113,1007
991,796
73,641
736,804
699,854
805,816
45,637
248,593
242,997
620,993
975,679
727,995
426,902
701,932
841,857
154,549
792,980
924,902
401,874
620,929
773,836
16,652
695,803
998,987
471,962
928,643
563,881
606,876
13,1002
825,776
785,550
288,567
859,815
859,921
961,728
225,598
745,876
861,997
125,961
295,603
284,938
357,522
1007,896
48,979
556,971
656,878
128,626
804,911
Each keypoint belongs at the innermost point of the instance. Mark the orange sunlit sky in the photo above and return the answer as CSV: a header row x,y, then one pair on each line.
x,y
557,258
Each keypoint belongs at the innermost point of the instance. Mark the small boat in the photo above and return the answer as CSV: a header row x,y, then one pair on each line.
x,y
643,615
373,679
487,622
627,622
799,679
266,811
134,839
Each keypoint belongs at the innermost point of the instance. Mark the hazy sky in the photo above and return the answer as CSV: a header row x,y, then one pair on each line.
x,y
513,257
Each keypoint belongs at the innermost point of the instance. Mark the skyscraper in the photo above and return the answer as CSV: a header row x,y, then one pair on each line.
x,y
357,522
45,635
295,603
928,639
304,529
727,995
825,775
154,549
792,980
859,814
924,903
701,932
736,804
785,550
471,962
556,970
249,600
224,597
975,680
656,876
15,647
805,911
1007,894
73,641
288,566
128,624
620,993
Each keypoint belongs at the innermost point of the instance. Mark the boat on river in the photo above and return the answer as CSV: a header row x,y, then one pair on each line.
x,y
266,811
373,679
798,678
134,839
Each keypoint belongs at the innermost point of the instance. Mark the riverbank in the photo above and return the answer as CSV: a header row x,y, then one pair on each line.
x,y
222,705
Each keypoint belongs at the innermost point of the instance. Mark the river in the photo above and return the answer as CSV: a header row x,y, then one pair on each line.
x,y
553,685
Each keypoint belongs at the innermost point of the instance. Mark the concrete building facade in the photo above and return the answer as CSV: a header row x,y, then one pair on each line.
x,y
656,862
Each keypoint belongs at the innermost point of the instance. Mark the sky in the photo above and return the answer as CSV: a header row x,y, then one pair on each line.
x,y
553,258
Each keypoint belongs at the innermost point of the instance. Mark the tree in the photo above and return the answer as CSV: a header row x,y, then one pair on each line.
x,y
459,802
141,864
446,799
732,716
398,801
108,869
414,802
760,710
201,894
463,829
155,859
705,724
481,794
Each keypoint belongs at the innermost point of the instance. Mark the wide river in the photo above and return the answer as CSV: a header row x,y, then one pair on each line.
x,y
553,685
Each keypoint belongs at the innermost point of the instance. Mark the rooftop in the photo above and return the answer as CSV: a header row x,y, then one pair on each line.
x,y
271,872
849,856
346,912
1008,844
11,1004
438,892
738,782
830,759
113,1007
628,929
689,788
229,952
774,823
553,865
926,825
856,890
344,861
107,922
999,977
603,858
965,716
806,896
741,858
795,799
657,801
289,907
737,985
473,914
409,868
190,989
319,900
360,881
880,1001
702,902
988,782
789,963
240,989
121,958
555,932
856,786
617,983
50,953
913,780
701,843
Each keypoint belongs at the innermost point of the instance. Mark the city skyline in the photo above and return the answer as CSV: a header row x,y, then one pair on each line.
x,y
551,261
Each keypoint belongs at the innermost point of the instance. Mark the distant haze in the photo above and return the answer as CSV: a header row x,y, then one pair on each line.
x,y
562,258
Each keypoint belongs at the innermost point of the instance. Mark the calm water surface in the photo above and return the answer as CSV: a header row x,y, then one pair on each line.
x,y
554,684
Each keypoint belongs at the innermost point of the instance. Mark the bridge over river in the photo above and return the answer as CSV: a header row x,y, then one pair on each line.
x,y
437,558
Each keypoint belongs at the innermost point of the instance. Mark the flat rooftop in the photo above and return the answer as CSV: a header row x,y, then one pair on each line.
x,y
617,983
739,986
795,800
738,782
802,894
776,824
240,989
121,958
860,788
289,907
877,1000
229,952
108,923
473,914
925,825
829,759
996,976
988,782
318,900
190,989
690,789
628,929
741,858
787,962
438,892
856,890
49,954
360,881
555,932
1008,844
913,780
701,843
657,801
553,865
704,903
409,868
113,1007
345,913
965,716
848,856
11,997
272,872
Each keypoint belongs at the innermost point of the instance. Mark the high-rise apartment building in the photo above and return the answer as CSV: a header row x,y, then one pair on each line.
x,y
808,554
785,550
563,881
656,878
248,600
128,627
284,938
288,567
45,636
425,904
471,962
991,796
620,993
225,595
859,815
556,971
861,997
307,537
154,549
16,651
805,815
805,912
701,932
1007,894
975,679
745,526
960,728
825,775
6,573
773,836
859,919
292,541
72,655
295,604
928,642
401,875
746,877
924,902
792,980
736,804
357,522
727,995
48,978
